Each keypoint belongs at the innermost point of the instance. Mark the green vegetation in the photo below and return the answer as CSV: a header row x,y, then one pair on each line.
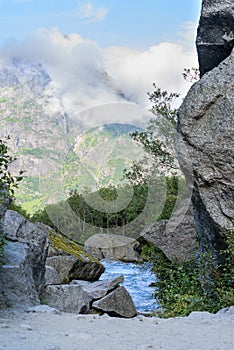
x,y
8,183
85,219
197,285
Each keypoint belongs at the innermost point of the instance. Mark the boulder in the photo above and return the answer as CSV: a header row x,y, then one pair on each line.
x,y
117,303
23,269
17,286
113,247
99,289
215,35
175,237
67,298
71,262
51,276
206,131
16,227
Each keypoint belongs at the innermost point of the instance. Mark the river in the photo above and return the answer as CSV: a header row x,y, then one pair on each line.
x,y
137,278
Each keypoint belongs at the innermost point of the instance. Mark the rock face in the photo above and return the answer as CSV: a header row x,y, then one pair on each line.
x,y
207,131
117,303
114,247
215,36
22,274
175,237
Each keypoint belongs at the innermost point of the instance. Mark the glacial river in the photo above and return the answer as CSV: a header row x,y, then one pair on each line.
x,y
137,278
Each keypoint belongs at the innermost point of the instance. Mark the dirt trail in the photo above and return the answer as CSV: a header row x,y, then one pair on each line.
x,y
20,330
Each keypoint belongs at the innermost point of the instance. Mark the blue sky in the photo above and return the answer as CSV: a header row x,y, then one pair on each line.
x,y
132,23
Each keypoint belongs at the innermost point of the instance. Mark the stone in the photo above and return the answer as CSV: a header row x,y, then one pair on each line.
x,y
206,131
23,270
117,303
5,200
67,298
176,237
71,261
215,35
16,227
69,267
226,312
43,309
97,290
115,247
17,286
51,276
62,265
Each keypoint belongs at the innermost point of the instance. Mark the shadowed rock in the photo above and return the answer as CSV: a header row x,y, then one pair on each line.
x,y
175,237
207,131
117,303
215,35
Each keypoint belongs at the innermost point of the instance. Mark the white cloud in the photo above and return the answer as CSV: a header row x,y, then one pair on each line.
x,y
88,11
163,64
78,68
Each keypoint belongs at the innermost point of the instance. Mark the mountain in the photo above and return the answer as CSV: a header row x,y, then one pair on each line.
x,y
45,126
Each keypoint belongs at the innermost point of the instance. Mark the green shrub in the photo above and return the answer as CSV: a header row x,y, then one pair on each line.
x,y
197,285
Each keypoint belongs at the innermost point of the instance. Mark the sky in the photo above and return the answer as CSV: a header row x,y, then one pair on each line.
x,y
137,42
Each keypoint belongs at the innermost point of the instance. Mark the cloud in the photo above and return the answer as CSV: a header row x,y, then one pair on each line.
x,y
88,11
78,68
163,64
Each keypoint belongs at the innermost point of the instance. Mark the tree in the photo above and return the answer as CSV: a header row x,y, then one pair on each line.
x,y
8,181
7,185
157,140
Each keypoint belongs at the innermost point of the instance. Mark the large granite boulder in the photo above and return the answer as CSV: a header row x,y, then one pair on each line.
x,y
23,270
97,290
117,303
176,237
207,132
113,247
67,298
215,36
70,260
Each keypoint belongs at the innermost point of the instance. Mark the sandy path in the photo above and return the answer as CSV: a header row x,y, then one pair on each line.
x,y
48,331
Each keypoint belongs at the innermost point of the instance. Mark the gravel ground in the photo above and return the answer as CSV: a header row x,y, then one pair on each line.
x,y
47,329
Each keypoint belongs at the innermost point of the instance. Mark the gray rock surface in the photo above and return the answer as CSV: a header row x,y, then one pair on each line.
x,y
175,237
215,36
16,227
207,130
51,276
69,267
67,298
117,303
63,265
70,259
5,200
99,289
113,247
22,274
